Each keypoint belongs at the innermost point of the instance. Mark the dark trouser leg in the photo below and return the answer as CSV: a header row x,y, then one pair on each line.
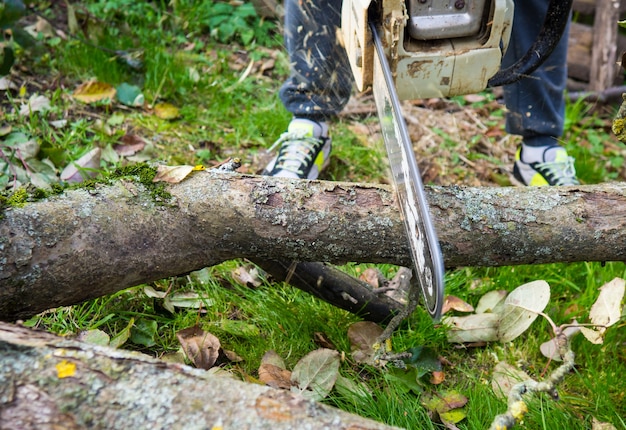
x,y
321,80
536,104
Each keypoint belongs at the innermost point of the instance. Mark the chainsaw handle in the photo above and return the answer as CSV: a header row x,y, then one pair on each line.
x,y
556,20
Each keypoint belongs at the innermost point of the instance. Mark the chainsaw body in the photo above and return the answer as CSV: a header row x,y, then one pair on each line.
x,y
435,48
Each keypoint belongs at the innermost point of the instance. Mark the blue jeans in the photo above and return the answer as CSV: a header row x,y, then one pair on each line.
x,y
321,80
536,104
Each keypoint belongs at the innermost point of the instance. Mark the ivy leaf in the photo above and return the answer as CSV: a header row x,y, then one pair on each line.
x,y
315,374
521,308
144,332
10,12
8,58
405,379
425,360
121,338
130,95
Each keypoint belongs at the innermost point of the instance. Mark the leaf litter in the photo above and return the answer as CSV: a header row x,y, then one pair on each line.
x,y
316,373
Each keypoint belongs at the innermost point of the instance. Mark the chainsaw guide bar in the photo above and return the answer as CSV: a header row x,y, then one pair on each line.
x,y
428,268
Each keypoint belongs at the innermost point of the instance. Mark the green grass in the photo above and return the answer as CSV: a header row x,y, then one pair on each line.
x,y
225,112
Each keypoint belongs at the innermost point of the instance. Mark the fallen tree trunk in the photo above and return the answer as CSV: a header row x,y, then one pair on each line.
x,y
51,382
88,243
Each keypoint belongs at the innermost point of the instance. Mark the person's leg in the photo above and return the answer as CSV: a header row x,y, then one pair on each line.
x,y
318,87
536,103
321,80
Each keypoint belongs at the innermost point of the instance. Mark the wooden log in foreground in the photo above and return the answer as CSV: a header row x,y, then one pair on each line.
x,y
88,243
48,382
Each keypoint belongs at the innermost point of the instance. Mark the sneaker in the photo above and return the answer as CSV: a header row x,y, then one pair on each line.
x,y
559,170
304,150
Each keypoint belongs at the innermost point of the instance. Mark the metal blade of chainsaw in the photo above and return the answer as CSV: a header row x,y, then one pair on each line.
x,y
428,266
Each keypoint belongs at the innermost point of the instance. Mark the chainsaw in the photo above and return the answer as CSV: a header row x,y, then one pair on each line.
x,y
413,49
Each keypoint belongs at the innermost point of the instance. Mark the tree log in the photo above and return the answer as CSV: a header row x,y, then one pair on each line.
x,y
49,382
87,243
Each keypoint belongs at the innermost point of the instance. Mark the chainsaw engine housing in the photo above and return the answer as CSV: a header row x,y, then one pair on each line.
x,y
435,48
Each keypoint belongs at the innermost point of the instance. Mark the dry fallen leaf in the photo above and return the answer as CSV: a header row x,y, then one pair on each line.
x,y
372,276
94,91
36,103
87,166
606,310
473,328
521,308
474,98
172,174
186,299
247,275
201,347
274,376
322,340
232,356
400,284
95,337
272,357
166,111
363,335
505,377
598,425
491,302
315,374
447,406
437,377
549,349
454,303
130,145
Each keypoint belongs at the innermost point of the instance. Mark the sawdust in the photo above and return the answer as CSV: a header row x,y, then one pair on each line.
x,y
454,144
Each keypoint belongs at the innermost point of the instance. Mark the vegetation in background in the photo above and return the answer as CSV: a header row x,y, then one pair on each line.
x,y
196,82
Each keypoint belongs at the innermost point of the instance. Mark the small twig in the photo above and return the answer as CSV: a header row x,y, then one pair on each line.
x,y
383,344
517,407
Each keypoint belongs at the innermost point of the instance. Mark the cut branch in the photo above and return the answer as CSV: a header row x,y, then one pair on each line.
x,y
52,382
88,243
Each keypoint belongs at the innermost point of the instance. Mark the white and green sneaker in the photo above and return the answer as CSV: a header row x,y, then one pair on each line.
x,y
555,168
304,150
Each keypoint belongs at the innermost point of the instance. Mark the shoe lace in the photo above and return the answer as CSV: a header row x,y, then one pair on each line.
x,y
561,172
297,150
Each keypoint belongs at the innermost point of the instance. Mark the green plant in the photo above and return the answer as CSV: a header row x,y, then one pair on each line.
x,y
10,13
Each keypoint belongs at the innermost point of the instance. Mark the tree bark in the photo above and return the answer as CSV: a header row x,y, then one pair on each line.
x,y
48,382
87,243
603,52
